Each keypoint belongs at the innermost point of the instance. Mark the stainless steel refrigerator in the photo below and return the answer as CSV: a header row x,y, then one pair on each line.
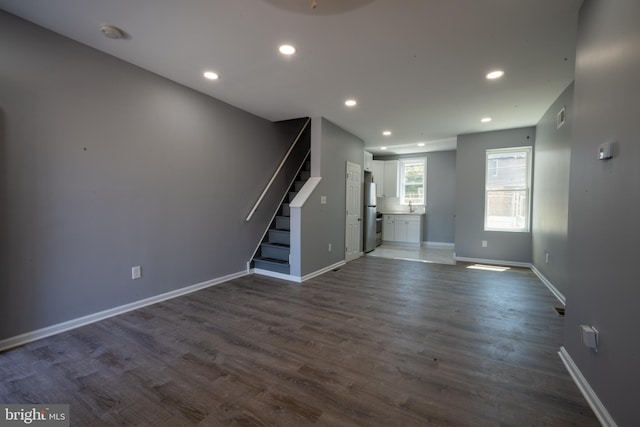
x,y
369,212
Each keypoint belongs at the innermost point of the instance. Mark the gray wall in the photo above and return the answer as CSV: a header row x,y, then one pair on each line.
x,y
470,177
105,166
332,147
604,205
551,196
441,194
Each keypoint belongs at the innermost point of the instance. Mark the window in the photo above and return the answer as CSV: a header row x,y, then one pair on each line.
x,y
413,181
508,189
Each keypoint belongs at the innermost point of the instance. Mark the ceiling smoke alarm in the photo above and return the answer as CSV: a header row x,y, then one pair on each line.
x,y
111,31
319,7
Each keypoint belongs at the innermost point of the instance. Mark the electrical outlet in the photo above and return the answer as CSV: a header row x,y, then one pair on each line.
x,y
329,247
323,200
484,243
136,272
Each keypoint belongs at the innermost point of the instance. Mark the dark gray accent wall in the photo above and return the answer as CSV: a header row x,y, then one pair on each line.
x,y
470,177
604,205
551,197
105,166
324,224
441,194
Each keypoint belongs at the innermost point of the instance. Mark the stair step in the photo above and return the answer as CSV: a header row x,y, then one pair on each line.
x,y
276,265
279,236
304,175
283,223
275,251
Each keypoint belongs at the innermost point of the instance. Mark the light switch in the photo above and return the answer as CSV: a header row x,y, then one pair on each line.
x,y
605,151
589,336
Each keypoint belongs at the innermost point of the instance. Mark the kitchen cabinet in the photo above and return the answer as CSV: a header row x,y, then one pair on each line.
x,y
403,228
368,160
377,170
385,175
388,228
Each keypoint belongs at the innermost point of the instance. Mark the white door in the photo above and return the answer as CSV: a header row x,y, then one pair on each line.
x,y
354,222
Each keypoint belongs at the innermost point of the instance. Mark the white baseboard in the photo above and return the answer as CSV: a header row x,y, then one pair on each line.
x,y
276,275
438,245
323,270
494,262
592,399
549,285
297,279
95,317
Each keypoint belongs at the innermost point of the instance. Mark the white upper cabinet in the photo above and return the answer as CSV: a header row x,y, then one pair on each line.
x,y
377,170
368,160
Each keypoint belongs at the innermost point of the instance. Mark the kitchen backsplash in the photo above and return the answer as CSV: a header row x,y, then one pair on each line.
x,y
392,204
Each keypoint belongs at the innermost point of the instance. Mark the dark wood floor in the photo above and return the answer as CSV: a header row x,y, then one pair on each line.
x,y
378,342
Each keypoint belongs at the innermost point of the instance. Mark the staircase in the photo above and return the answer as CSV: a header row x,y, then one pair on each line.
x,y
274,251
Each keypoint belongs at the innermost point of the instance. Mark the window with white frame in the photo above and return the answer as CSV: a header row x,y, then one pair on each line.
x,y
508,189
413,181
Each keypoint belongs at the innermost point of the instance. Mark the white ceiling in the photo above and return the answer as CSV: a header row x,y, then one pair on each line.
x,y
416,67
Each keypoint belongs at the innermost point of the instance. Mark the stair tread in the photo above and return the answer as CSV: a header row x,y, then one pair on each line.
x,y
275,244
272,260
278,244
280,230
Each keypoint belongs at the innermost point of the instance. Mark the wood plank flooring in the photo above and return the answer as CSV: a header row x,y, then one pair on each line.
x,y
378,342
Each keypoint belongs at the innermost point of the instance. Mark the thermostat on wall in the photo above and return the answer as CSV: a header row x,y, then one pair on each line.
x,y
605,151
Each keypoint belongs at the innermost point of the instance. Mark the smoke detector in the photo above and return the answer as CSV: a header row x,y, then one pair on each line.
x,y
319,7
111,32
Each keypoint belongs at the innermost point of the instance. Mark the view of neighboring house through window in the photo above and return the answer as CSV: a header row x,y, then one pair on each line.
x,y
413,181
508,189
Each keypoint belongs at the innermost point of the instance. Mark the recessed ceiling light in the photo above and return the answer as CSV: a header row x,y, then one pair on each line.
x,y
387,133
350,102
111,32
211,75
383,148
287,49
420,144
495,74
485,119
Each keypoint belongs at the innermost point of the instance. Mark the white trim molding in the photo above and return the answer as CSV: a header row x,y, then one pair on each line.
x,y
549,285
438,245
494,262
105,314
297,279
592,399
323,270
276,275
